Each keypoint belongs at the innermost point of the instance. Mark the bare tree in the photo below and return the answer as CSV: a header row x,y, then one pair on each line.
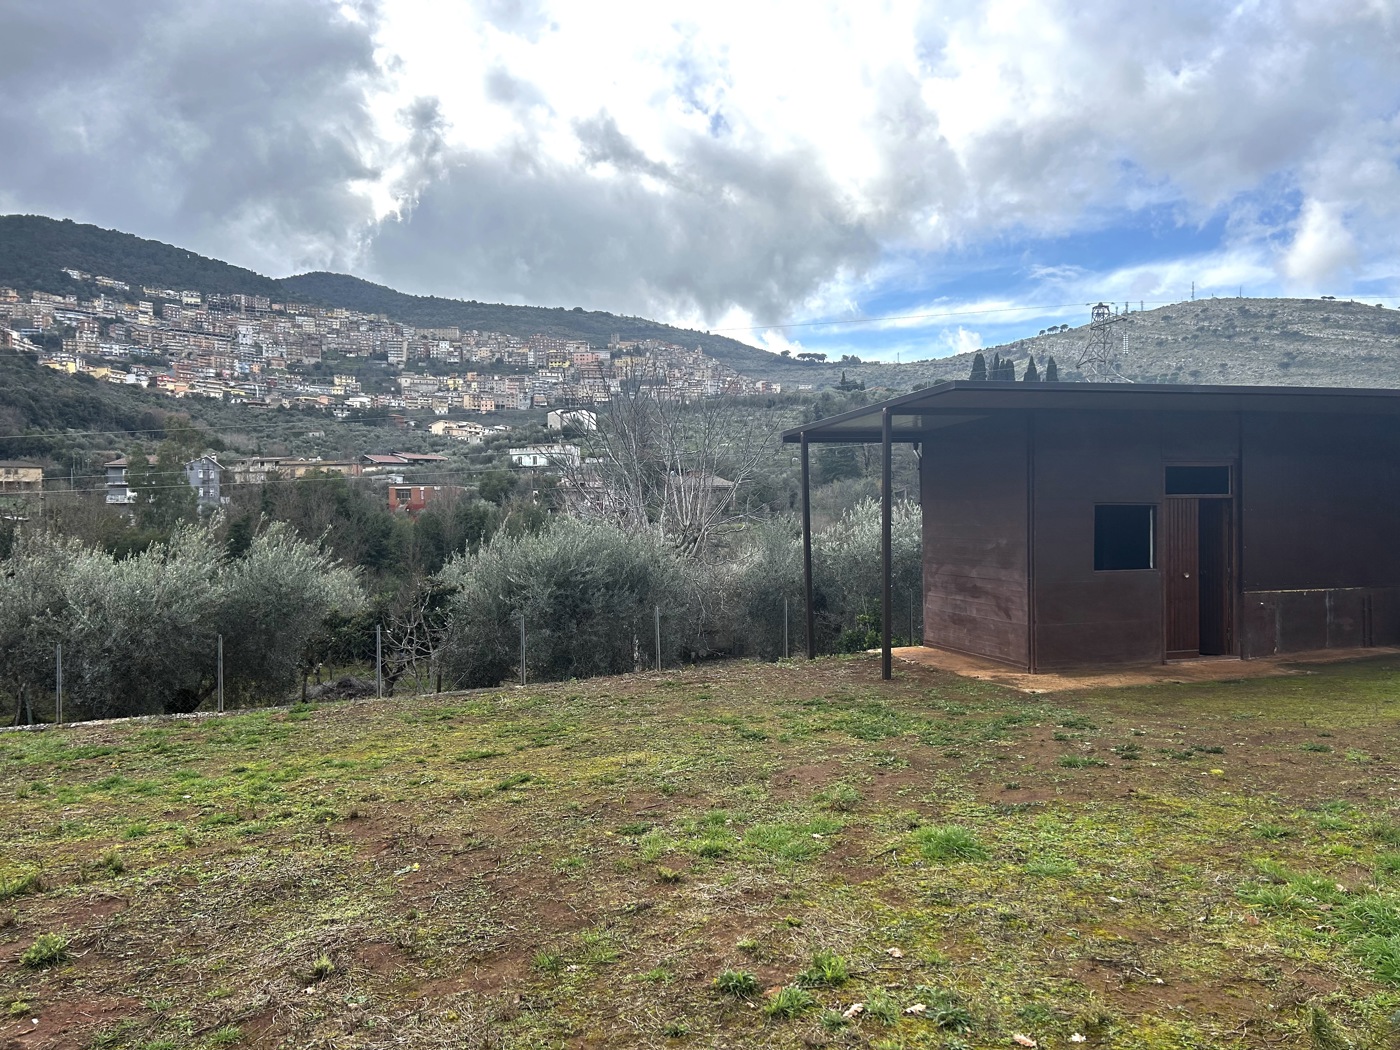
x,y
664,461
415,632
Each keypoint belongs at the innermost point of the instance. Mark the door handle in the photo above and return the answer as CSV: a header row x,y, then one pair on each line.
x,y
1186,575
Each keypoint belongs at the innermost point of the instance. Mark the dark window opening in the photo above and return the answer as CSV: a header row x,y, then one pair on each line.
x,y
1124,537
1198,481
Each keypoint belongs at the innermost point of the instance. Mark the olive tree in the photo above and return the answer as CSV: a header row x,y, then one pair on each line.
x,y
587,593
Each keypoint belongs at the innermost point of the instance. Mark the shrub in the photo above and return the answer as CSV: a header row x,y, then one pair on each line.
x,y
48,949
738,983
18,885
588,595
827,970
789,1001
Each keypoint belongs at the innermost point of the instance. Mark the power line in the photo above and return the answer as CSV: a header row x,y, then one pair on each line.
x,y
409,480
207,428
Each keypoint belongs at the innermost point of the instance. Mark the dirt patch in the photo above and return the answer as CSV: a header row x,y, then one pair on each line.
x,y
68,1023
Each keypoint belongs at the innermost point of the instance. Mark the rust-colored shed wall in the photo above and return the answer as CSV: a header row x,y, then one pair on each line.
x,y
1321,508
1087,458
973,479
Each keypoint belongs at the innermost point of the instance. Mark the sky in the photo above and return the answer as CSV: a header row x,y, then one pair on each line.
x,y
962,173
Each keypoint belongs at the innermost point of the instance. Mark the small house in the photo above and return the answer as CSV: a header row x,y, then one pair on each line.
x,y
1077,524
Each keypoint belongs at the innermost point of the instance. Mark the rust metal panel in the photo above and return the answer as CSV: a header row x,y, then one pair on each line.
x,y
1320,503
1083,616
974,532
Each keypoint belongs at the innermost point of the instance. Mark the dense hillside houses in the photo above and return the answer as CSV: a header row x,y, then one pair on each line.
x,y
248,349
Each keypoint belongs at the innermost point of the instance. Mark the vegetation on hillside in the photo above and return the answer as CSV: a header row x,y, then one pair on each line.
x,y
34,251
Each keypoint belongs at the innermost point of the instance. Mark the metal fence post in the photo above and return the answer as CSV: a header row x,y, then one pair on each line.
x,y
786,651
379,661
522,648
658,637
221,674
58,684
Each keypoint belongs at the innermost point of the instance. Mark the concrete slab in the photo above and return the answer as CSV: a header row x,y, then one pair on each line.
x,y
1205,669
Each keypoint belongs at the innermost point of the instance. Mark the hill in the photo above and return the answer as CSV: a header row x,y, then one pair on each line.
x,y
1270,341
35,250
334,289
635,861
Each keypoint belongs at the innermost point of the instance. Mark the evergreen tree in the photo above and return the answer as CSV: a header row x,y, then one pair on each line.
x,y
1008,371
1052,371
1031,376
979,368
994,369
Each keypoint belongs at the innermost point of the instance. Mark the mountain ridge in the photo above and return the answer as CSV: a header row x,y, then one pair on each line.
x,y
35,249
1325,342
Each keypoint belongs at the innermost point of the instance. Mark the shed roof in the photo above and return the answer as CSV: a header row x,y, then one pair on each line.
x,y
947,404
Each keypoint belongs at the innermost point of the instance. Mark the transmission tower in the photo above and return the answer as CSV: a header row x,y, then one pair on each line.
x,y
1102,355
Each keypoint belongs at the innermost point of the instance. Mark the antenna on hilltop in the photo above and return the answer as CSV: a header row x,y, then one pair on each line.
x,y
1099,359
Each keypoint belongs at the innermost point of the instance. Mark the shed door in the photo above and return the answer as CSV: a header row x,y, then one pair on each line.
x,y
1181,578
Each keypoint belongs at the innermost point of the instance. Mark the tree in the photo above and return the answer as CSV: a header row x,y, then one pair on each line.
x,y
587,592
497,486
1031,376
667,465
1052,371
163,495
836,462
979,368
1008,371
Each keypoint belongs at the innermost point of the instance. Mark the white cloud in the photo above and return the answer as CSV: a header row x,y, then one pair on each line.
x,y
731,158
1322,249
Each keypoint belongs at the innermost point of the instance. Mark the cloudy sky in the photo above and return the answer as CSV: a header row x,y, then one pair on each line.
x,y
971,172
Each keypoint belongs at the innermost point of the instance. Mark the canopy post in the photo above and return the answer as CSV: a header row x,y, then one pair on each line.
x,y
886,545
807,552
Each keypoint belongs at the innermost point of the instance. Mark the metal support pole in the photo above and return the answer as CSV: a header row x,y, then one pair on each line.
x,y
786,649
807,552
911,619
379,661
221,673
658,637
522,648
886,544
58,684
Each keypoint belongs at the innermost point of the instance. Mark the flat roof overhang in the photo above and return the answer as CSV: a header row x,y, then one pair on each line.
x,y
947,404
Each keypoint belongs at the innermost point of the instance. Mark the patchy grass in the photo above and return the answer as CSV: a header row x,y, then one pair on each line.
x,y
734,855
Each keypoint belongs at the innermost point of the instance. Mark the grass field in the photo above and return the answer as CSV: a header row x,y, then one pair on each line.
x,y
735,856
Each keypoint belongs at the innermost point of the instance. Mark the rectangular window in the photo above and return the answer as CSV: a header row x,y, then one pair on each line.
x,y
1125,537
1198,481
402,495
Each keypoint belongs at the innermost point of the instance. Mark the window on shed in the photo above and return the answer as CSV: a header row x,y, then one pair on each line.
x,y
1198,481
1124,536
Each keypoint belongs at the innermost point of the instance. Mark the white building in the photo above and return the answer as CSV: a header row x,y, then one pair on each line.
x,y
545,456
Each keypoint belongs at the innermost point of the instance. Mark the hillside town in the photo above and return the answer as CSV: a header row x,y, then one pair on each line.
x,y
247,349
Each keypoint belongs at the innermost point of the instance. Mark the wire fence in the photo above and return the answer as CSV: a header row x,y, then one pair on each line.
x,y
420,673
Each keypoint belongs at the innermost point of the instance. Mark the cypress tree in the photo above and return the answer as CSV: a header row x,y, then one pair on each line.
x,y
1031,376
1008,370
979,368
1052,371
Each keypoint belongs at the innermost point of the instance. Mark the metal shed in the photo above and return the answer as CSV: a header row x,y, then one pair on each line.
x,y
1076,524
